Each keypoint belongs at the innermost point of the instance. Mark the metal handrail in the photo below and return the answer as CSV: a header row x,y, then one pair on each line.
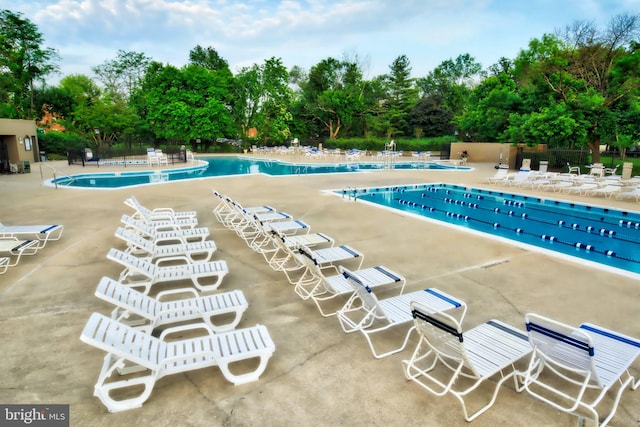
x,y
54,170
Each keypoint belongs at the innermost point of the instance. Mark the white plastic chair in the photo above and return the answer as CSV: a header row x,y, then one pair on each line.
x,y
138,272
167,214
321,287
165,233
41,233
364,313
148,313
445,357
138,245
573,369
159,357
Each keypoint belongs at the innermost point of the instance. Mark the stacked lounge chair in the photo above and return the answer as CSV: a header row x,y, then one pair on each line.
x,y
176,330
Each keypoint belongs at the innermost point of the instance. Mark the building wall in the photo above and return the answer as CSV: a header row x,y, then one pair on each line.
x,y
14,133
486,152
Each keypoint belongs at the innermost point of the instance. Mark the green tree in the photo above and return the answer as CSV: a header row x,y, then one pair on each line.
x,y
122,75
552,125
54,100
590,71
276,100
402,96
431,117
489,107
97,116
248,95
263,99
184,105
103,123
208,58
23,61
452,82
334,96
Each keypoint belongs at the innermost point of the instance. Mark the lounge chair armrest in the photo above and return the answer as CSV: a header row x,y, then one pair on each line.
x,y
157,216
165,227
172,258
168,211
192,291
183,328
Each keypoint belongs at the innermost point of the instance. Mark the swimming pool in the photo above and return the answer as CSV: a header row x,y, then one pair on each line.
x,y
231,165
600,235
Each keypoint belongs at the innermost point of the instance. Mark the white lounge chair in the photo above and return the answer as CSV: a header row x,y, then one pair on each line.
x,y
364,313
629,194
611,171
164,223
254,228
320,287
310,240
227,209
322,258
582,188
597,170
573,369
539,181
524,178
162,157
271,216
167,214
41,233
606,190
148,313
448,361
557,186
165,236
138,272
14,249
138,245
333,256
281,254
287,228
4,264
152,158
501,174
573,169
159,357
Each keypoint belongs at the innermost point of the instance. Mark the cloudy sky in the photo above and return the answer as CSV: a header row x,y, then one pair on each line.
x,y
87,33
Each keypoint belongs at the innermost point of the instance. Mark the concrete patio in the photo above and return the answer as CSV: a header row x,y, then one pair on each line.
x,y
318,375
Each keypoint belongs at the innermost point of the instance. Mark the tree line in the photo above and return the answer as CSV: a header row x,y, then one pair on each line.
x,y
575,88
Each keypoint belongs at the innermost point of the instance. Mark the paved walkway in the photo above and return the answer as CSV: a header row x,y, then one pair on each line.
x,y
318,375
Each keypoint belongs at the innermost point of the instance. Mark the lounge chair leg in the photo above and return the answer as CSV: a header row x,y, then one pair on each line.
x,y
210,287
238,379
102,389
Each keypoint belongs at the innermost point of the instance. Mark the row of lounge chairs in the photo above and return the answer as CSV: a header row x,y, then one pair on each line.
x,y
568,183
546,360
17,241
149,334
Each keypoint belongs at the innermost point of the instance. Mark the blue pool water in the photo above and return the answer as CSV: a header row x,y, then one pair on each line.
x,y
601,235
226,166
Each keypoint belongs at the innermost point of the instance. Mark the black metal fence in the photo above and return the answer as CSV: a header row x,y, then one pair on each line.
x,y
559,159
124,157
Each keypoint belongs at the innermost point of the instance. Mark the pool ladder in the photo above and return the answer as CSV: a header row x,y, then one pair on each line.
x,y
350,192
55,172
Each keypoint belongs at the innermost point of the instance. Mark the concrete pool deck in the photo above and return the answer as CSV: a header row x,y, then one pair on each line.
x,y
318,375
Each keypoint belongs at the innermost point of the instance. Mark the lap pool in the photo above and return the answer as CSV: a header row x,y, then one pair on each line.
x,y
608,237
229,166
